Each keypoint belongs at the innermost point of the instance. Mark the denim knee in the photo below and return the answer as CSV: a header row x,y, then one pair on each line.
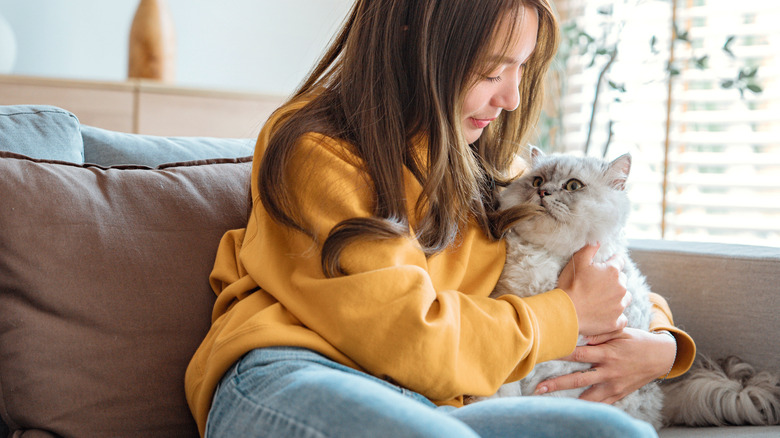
x,y
546,416
299,393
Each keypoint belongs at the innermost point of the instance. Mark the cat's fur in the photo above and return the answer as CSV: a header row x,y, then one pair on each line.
x,y
540,246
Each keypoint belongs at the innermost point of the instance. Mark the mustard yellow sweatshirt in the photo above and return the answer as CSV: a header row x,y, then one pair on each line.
x,y
425,323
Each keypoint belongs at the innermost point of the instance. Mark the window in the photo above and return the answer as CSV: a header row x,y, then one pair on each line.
x,y
690,88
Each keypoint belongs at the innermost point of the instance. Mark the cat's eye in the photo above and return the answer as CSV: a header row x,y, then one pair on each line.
x,y
573,185
537,182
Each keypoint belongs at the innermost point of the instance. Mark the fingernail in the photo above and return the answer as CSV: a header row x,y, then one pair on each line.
x,y
540,390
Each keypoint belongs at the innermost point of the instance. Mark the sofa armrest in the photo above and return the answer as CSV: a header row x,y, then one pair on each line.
x,y
723,295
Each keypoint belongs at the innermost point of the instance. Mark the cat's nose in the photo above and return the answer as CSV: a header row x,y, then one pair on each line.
x,y
543,193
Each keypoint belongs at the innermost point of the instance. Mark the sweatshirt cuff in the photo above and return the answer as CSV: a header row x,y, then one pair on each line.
x,y
686,350
557,328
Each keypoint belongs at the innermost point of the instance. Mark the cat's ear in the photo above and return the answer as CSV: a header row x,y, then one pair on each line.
x,y
536,154
618,171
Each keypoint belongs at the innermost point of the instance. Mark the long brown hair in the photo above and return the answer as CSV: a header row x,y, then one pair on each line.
x,y
396,76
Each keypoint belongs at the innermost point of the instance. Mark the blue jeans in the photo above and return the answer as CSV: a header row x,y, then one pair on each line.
x,y
295,392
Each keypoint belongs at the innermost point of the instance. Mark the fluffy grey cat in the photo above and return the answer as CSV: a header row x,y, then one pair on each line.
x,y
583,201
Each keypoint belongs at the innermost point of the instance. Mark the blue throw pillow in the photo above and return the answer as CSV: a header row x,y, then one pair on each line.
x,y
109,148
41,131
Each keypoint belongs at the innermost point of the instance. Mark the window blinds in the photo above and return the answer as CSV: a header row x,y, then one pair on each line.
x,y
691,90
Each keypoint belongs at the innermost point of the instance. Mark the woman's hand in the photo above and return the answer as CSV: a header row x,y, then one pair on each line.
x,y
622,362
598,291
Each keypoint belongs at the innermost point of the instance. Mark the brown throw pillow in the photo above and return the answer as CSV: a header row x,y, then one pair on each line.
x,y
104,292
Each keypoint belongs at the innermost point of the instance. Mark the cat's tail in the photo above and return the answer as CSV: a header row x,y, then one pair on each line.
x,y
720,393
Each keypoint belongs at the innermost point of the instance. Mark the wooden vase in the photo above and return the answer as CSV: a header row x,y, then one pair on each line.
x,y
152,52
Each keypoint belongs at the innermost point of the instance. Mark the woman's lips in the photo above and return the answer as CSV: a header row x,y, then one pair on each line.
x,y
480,123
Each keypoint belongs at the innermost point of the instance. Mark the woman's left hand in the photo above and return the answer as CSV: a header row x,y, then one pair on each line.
x,y
622,362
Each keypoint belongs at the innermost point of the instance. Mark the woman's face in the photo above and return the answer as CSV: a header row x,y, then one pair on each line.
x,y
499,89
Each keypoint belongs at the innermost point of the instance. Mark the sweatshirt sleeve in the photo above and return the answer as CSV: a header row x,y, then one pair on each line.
x,y
387,315
686,348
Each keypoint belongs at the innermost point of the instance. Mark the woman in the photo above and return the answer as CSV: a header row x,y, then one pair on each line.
x,y
355,302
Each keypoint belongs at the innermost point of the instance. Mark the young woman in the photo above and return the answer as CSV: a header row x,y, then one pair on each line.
x,y
355,302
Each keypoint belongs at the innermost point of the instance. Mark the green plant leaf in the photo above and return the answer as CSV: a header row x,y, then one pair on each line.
x,y
727,45
587,36
755,88
681,35
616,86
672,69
748,72
592,61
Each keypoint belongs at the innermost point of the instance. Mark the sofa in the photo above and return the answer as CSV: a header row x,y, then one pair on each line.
x,y
107,240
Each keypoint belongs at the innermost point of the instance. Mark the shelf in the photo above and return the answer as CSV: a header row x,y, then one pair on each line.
x,y
146,107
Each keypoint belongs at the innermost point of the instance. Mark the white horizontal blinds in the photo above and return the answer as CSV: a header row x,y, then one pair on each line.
x,y
631,110
724,156
723,163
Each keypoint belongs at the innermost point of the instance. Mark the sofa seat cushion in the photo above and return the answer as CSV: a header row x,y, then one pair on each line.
x,y
104,292
41,131
109,148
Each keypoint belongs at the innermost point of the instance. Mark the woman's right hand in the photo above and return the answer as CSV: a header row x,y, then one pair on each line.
x,y
597,290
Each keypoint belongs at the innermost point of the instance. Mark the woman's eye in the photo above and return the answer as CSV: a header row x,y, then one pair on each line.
x,y
574,185
493,78
537,181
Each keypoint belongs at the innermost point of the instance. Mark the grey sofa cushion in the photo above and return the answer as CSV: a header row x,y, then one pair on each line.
x,y
109,148
41,131
724,296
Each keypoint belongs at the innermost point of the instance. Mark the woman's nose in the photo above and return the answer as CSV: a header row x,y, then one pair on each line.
x,y
508,97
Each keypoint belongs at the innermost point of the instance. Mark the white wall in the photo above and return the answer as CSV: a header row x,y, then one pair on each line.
x,y
254,45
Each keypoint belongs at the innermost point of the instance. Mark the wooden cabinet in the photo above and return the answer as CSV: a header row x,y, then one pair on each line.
x,y
103,104
146,107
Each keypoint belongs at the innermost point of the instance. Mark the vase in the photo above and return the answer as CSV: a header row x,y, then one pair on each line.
x,y
152,51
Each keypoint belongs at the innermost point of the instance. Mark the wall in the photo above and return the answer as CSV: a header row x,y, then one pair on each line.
x,y
265,46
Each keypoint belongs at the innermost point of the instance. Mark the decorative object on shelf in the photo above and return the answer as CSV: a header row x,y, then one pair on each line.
x,y
152,52
7,47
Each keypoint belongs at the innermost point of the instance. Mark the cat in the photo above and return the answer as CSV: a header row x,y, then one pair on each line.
x,y
583,201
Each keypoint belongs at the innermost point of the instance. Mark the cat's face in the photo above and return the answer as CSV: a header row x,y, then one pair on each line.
x,y
583,199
